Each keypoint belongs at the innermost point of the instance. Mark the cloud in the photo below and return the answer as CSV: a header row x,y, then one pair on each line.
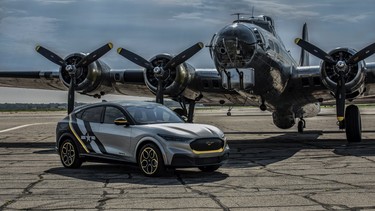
x,y
286,9
20,35
188,16
5,12
193,16
345,18
55,1
190,3
27,28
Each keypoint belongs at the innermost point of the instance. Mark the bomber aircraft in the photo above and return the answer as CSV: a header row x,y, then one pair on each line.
x,y
252,67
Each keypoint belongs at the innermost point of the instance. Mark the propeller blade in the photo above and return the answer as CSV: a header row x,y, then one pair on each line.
x,y
340,98
183,56
362,54
71,93
135,58
50,56
160,92
314,50
95,55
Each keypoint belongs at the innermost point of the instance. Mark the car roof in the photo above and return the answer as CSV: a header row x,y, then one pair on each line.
x,y
118,103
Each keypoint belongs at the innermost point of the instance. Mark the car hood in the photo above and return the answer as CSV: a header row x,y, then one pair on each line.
x,y
187,130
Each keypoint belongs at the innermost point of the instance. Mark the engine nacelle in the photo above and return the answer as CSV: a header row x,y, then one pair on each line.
x,y
354,75
283,119
177,81
89,79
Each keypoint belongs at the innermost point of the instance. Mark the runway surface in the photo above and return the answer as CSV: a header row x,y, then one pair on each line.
x,y
268,169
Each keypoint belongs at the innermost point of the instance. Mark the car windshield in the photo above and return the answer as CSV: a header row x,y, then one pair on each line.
x,y
153,114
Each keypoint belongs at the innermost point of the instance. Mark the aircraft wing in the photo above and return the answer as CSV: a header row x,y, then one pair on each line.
x,y
308,79
31,79
205,82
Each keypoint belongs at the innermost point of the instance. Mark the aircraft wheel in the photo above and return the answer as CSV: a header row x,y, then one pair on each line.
x,y
229,113
209,168
69,155
151,161
353,124
301,125
263,107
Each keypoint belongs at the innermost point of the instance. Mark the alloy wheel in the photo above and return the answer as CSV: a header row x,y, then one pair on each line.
x,y
68,154
149,161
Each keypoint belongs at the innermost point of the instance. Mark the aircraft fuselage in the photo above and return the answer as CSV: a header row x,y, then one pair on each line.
x,y
254,45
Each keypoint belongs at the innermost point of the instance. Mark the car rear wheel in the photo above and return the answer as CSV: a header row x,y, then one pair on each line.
x,y
151,161
209,168
69,154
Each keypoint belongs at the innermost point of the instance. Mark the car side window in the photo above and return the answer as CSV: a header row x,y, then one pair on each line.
x,y
93,114
79,114
112,113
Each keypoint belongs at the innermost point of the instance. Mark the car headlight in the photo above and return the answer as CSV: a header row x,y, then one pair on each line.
x,y
174,138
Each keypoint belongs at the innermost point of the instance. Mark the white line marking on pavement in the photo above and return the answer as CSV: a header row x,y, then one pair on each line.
x,y
22,126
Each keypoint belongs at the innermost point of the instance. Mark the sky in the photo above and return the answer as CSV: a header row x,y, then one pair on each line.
x,y
150,27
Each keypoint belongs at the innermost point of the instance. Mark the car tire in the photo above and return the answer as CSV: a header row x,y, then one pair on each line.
x,y
209,168
150,160
69,155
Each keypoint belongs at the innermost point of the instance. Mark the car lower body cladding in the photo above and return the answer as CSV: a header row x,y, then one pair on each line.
x,y
182,160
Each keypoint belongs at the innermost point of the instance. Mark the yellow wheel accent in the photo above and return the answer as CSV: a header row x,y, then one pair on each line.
x,y
149,161
68,154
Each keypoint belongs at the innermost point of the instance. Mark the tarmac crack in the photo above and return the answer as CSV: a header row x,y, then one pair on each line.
x,y
103,198
26,191
324,205
316,179
201,193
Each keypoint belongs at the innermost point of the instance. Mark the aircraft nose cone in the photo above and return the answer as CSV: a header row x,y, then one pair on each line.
x,y
234,46
238,31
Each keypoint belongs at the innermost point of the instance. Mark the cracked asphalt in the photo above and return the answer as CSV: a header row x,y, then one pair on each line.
x,y
268,169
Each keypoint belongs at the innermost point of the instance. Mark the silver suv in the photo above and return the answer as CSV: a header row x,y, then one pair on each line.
x,y
148,134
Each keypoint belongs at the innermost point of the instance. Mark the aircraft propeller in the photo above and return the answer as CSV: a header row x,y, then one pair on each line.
x,y
72,68
161,73
341,67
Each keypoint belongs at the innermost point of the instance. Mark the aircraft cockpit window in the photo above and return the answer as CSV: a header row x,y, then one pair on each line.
x,y
277,49
232,53
271,45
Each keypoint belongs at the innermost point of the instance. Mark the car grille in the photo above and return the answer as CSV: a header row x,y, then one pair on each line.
x,y
207,144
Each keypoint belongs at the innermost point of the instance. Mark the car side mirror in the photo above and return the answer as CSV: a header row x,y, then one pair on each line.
x,y
121,121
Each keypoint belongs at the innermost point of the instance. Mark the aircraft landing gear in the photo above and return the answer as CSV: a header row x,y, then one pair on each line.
x,y
263,106
186,112
229,113
353,124
301,125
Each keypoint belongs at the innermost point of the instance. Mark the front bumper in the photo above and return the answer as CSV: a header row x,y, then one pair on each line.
x,y
182,160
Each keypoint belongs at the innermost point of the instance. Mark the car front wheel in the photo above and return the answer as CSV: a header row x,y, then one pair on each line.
x,y
151,161
69,154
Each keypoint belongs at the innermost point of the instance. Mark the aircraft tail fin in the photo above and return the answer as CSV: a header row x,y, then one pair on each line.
x,y
304,59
